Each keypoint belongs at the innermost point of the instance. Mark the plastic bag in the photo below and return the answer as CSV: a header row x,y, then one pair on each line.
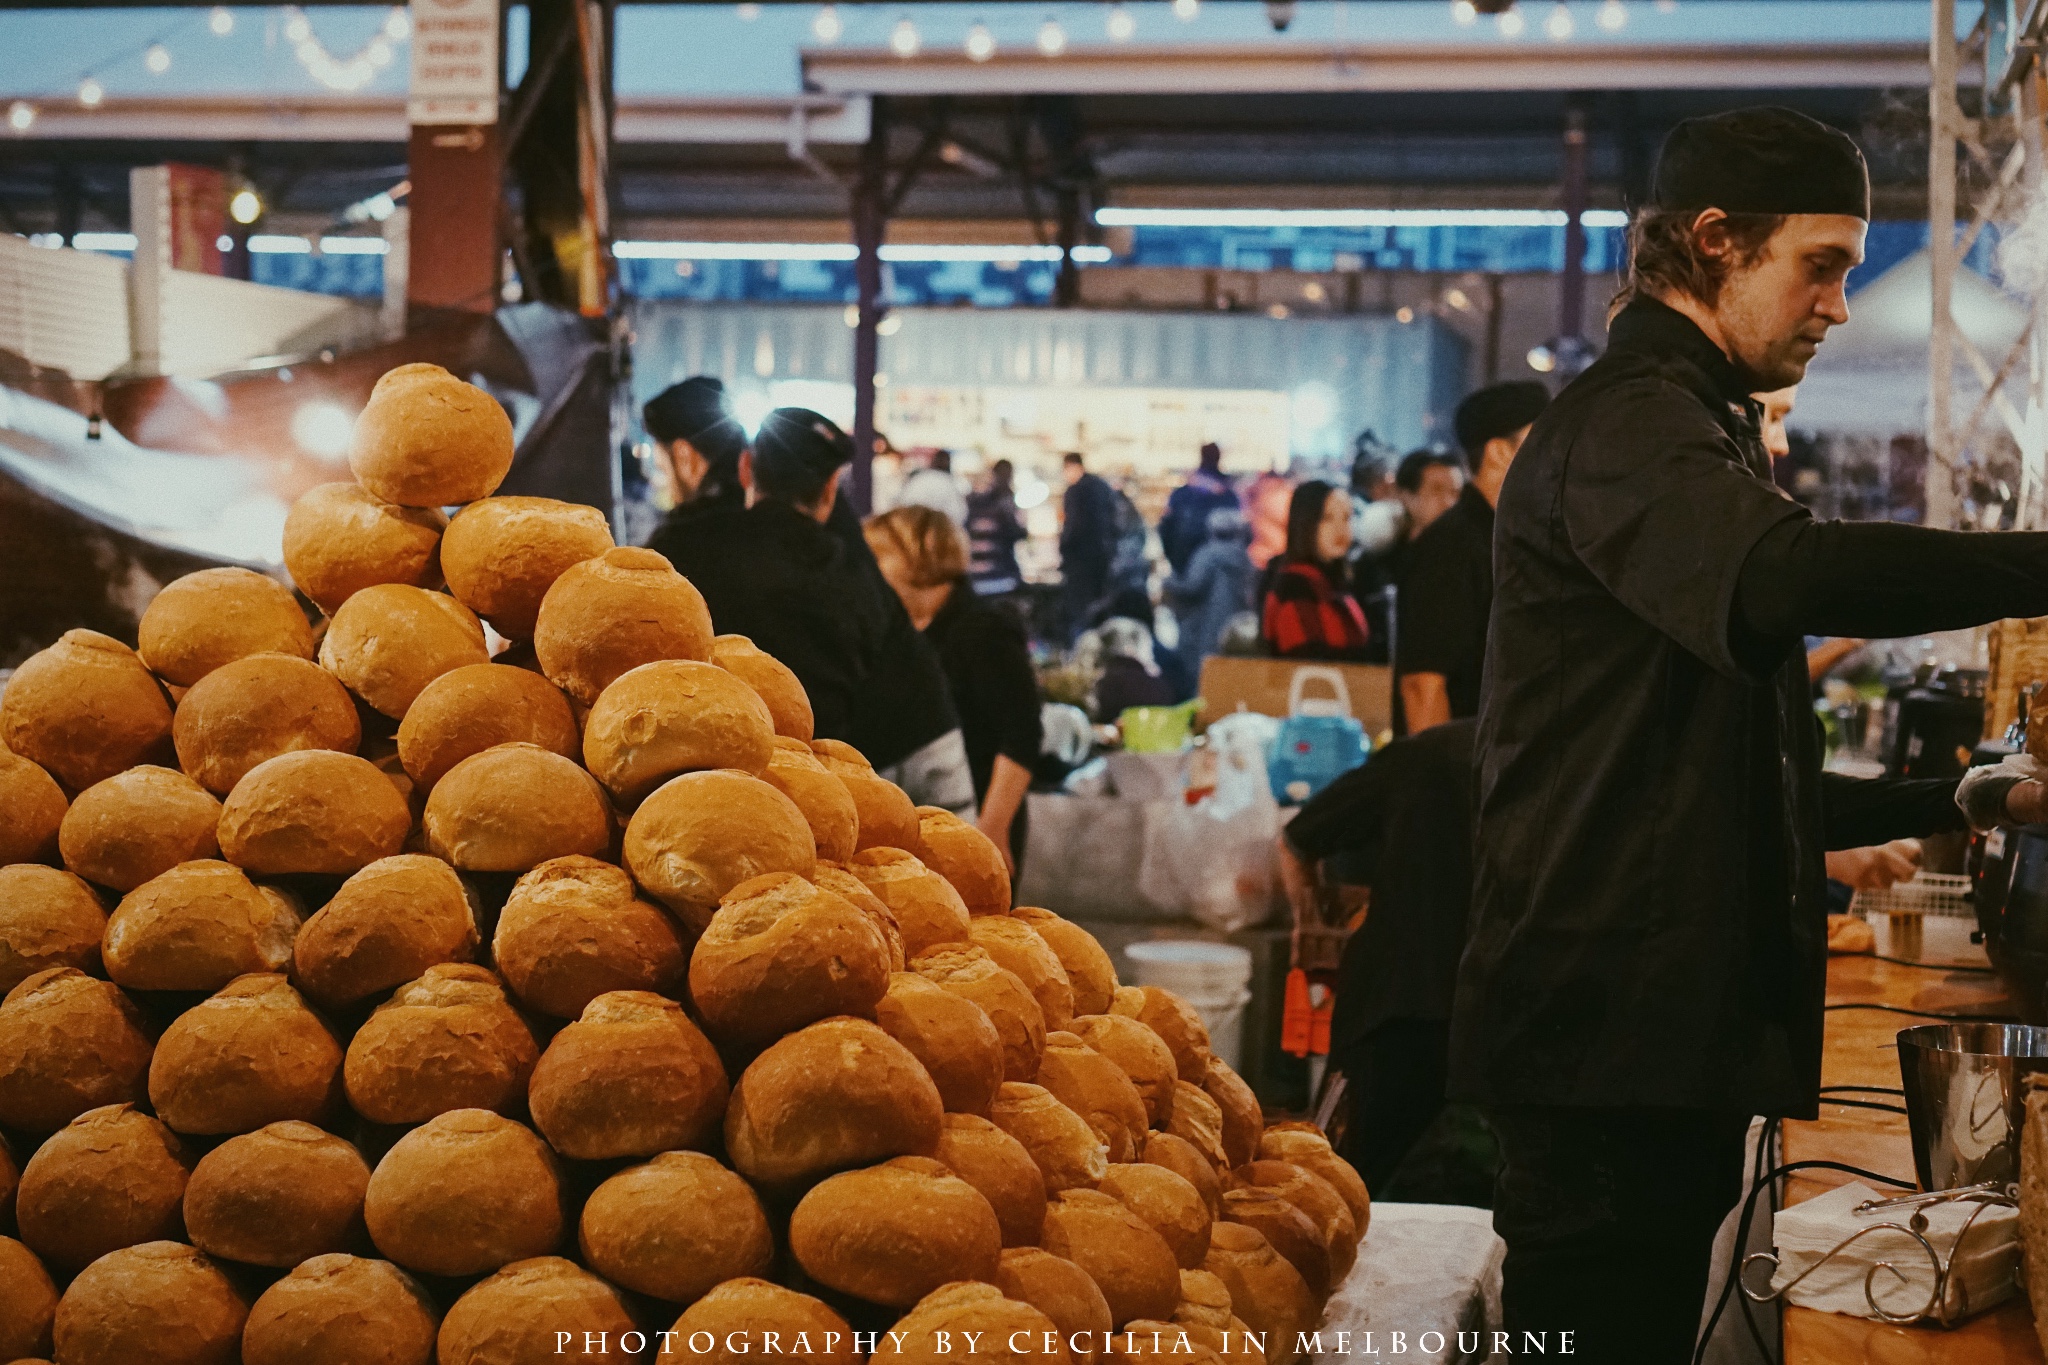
x,y
1214,860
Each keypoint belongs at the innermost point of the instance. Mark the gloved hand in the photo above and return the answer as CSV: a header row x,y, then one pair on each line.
x,y
1983,792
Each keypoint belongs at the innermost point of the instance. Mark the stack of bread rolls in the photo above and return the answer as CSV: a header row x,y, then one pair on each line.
x,y
493,958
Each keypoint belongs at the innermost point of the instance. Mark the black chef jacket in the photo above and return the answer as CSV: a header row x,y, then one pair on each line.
x,y
1446,593
1409,809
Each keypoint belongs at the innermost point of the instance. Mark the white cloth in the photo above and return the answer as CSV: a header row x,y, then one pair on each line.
x,y
1427,1272
1985,1273
938,490
938,775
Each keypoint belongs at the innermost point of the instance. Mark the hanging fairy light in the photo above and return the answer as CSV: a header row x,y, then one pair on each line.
x,y
1186,10
826,25
157,59
748,12
398,25
1121,25
981,44
1559,25
904,39
297,27
1613,16
221,21
1464,13
246,206
91,92
344,73
1052,39
21,116
1510,23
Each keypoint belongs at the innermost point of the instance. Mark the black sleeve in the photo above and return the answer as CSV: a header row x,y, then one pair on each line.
x,y
1005,692
1346,815
1856,813
1441,628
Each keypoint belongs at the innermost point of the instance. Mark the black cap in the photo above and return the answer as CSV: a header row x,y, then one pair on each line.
x,y
1498,410
798,449
695,411
1761,160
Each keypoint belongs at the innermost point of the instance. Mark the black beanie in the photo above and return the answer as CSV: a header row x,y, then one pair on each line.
x,y
695,411
1761,160
795,452
1498,410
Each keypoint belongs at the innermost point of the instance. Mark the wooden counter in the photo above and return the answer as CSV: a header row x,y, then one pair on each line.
x,y
1861,1051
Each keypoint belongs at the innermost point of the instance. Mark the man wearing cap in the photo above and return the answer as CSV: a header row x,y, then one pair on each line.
x,y
1446,584
1646,959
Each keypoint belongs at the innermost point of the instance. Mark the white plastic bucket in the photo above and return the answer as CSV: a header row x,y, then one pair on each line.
x,y
1214,978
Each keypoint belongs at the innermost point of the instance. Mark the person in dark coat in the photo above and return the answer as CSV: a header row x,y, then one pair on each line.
x,y
1088,543
1184,529
1215,586
700,442
994,530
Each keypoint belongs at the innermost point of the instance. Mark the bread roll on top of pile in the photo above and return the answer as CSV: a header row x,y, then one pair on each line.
x,y
467,1002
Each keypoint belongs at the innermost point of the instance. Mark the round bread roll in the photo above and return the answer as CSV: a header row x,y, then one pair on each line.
x,y
1150,1340
1119,1250
1178,1155
10,1180
1199,1119
342,1310
780,954
743,1310
1304,1145
1266,1291
1205,1303
927,910
887,817
501,555
249,1055
426,439
674,716
545,1309
160,1302
608,615
1315,1197
198,927
1000,1167
513,807
386,925
1175,1021
969,972
892,1233
278,1196
966,857
828,807
32,808
68,1043
111,1178
256,708
1141,1053
835,878
1066,1150
944,1322
216,616
1090,972
632,1077
1016,946
29,1305
477,707
1063,1292
1292,1233
674,1228
313,811
387,642
137,824
778,687
85,709
700,835
1243,1120
1174,1208
340,538
449,1040
573,930
836,1094
1097,1089
951,1036
48,919
464,1193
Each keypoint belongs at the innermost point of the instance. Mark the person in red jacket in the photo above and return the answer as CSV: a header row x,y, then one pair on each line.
x,y
1309,612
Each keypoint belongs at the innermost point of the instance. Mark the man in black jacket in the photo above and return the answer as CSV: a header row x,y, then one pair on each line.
x,y
1088,536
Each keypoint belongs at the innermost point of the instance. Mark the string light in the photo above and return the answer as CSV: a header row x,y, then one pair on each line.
x,y
981,44
221,21
21,116
904,40
398,25
1052,39
1559,25
1613,16
157,59
91,92
749,12
1510,23
1186,10
826,25
1121,25
297,27
345,74
1464,13
245,207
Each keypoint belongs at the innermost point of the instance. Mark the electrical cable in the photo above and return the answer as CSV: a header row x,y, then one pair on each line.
x,y
1924,966
1867,1104
1952,1016
1861,1090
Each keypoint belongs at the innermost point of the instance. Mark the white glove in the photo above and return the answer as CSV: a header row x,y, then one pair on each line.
x,y
1982,792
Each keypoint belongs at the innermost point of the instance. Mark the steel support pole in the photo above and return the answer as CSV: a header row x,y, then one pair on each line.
x,y
870,222
1571,320
1943,117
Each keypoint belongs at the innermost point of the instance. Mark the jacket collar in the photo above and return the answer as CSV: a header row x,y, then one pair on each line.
x,y
1655,329
1474,505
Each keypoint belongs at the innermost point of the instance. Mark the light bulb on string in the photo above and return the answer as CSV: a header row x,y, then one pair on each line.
x,y
1186,10
21,116
297,27
91,92
246,206
1121,25
157,59
1052,39
1559,24
904,39
748,12
398,26
221,22
1613,16
1464,13
826,25
378,53
981,44
1510,23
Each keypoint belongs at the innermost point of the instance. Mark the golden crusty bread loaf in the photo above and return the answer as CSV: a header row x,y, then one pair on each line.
x,y
888,819
387,642
216,616
513,807
340,538
32,808
835,1094
1000,1167
965,1323
48,918
255,709
1304,1145
544,1309
674,1228
1090,972
613,613
113,1177
700,835
633,1076
966,857
1097,1089
969,972
1199,1119
1178,1155
1066,1150
572,930
278,1196
1175,1021
1119,1250
386,925
427,439
890,1234
29,1306
248,1055
196,928
834,877
1291,1232
313,811
949,1034
1141,1053
1061,1290
477,707
342,1310
501,555
927,910
778,687
449,1040
1016,946
1205,1304
10,1179
828,807
674,716
1174,1208
728,1326
132,826
1243,1120
1266,1291
68,1043
85,709
1148,1341
779,954
1315,1197
160,1302
465,1193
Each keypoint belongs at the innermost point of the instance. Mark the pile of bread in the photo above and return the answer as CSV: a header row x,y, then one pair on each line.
x,y
370,1000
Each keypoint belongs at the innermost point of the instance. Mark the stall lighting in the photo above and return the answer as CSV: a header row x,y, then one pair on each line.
x,y
91,93
904,40
245,207
1464,13
907,253
748,12
271,244
221,21
157,59
353,246
297,27
1542,359
981,44
398,24
827,26
1052,39
1354,218
1186,10
1121,25
103,241
21,116
1458,300
323,430
1510,23
1613,16
1559,25
1404,315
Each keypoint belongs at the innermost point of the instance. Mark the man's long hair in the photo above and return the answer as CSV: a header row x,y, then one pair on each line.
x,y
1664,255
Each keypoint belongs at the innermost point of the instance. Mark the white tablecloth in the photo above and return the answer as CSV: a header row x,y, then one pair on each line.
x,y
1429,1272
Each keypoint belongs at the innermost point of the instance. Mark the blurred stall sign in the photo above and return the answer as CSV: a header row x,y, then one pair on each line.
x,y
454,62
198,203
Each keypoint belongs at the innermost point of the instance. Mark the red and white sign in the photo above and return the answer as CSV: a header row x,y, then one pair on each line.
x,y
454,62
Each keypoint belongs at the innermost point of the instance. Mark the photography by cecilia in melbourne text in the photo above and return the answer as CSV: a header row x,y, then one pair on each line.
x,y
1162,1341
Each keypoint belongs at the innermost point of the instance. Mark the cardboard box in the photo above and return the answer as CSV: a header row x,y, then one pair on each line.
x,y
1262,685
